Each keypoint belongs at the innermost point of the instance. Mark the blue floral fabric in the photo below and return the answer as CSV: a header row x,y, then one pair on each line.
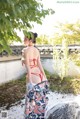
x,y
36,101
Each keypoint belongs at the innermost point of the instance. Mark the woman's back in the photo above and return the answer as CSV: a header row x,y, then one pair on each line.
x,y
32,52
32,58
32,55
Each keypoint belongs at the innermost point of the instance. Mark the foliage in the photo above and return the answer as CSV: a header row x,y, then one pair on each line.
x,y
64,60
75,58
18,14
66,34
47,74
77,62
61,58
43,39
70,31
67,85
15,91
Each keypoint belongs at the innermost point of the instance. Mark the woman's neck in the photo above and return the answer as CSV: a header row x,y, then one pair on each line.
x,y
31,45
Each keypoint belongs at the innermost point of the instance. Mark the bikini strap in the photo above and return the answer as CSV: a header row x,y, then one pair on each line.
x,y
34,62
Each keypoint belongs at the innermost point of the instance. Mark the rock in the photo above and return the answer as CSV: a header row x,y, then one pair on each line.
x,y
64,111
78,115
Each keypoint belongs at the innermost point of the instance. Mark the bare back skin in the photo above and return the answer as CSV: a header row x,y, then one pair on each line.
x,y
33,64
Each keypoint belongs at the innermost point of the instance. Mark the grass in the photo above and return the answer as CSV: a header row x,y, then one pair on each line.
x,y
13,91
77,62
67,85
75,58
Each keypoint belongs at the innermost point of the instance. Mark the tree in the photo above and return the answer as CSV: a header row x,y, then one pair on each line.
x,y
18,14
43,39
67,34
69,31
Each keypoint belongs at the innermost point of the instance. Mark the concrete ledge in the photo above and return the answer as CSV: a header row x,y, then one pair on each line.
x,y
15,57
10,58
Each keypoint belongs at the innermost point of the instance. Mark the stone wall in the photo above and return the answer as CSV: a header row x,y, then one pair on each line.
x,y
44,50
11,70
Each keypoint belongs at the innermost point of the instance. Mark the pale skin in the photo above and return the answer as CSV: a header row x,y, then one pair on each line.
x,y
26,43
30,53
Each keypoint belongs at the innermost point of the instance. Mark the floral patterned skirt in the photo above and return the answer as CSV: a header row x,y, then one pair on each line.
x,y
36,100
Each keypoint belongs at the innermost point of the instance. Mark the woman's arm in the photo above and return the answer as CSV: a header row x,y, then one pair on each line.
x,y
40,66
23,59
27,64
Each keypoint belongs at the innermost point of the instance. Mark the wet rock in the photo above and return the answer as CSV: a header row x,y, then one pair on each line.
x,y
64,111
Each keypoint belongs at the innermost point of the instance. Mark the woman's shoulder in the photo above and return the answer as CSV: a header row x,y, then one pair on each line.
x,y
23,50
36,49
26,49
31,49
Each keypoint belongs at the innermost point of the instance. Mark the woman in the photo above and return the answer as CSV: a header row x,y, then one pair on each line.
x,y
37,84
